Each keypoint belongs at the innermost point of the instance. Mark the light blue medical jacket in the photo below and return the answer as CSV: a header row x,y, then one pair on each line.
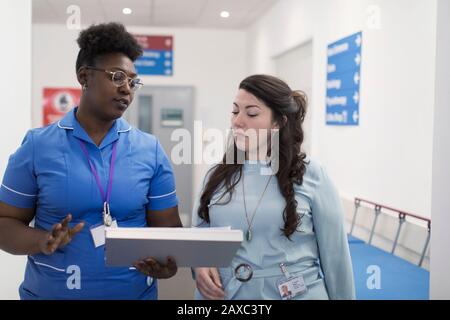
x,y
318,250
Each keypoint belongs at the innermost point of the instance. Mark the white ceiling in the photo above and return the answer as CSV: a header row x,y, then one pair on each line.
x,y
162,13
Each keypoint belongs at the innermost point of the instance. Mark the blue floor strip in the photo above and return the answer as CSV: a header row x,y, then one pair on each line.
x,y
380,275
352,239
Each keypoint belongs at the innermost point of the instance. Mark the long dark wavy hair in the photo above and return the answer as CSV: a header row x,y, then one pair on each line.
x,y
289,110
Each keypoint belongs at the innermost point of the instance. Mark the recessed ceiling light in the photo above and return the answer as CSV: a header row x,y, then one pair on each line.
x,y
127,11
224,14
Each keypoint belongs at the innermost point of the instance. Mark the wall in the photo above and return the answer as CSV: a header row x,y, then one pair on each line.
x,y
387,158
440,237
15,112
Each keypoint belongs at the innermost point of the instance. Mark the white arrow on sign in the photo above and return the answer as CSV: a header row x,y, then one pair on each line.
x,y
356,78
355,116
358,59
356,97
358,40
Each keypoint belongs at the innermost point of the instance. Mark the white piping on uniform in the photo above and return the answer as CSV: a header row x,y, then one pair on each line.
x,y
71,128
47,265
164,195
126,130
22,194
59,126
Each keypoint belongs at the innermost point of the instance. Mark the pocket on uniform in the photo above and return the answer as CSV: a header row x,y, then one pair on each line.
x,y
305,218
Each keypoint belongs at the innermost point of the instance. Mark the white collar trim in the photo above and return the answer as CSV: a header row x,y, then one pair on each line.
x,y
125,130
71,128
60,126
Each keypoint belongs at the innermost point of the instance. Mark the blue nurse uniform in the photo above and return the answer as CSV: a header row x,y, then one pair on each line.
x,y
50,173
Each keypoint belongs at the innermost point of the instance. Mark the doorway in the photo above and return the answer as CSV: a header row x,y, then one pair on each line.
x,y
159,110
295,67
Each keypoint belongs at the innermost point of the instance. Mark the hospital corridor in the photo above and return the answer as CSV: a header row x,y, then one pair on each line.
x,y
225,150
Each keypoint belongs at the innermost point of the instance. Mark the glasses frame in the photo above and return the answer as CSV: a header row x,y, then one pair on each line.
x,y
136,87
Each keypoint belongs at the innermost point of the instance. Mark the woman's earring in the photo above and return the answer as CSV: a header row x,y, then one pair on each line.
x,y
84,87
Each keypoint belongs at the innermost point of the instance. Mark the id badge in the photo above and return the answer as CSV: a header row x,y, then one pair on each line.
x,y
292,287
98,233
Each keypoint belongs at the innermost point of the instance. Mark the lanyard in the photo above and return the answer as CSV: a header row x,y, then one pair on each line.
x,y
107,220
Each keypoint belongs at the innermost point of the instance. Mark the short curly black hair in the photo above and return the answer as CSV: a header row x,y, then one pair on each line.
x,y
105,38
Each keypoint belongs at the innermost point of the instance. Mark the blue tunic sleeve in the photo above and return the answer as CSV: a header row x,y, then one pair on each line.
x,y
328,220
162,193
19,186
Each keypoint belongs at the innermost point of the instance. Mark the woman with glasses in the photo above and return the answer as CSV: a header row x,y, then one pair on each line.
x,y
89,171
285,204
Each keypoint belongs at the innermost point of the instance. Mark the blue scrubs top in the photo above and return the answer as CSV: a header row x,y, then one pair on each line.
x,y
51,173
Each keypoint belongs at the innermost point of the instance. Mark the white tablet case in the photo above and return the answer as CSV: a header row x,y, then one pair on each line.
x,y
190,247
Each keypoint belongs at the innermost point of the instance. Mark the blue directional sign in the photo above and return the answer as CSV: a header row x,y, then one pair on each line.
x,y
343,79
157,58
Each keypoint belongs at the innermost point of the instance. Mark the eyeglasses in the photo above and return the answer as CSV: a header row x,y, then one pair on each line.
x,y
119,78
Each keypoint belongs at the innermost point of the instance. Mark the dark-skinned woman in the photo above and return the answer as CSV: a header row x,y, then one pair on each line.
x,y
85,172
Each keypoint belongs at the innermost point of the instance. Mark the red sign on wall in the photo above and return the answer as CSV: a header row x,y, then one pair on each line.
x,y
57,102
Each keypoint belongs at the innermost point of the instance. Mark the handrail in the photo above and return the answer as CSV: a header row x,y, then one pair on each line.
x,y
396,210
401,216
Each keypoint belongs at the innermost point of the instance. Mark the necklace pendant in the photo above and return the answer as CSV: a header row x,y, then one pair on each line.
x,y
248,235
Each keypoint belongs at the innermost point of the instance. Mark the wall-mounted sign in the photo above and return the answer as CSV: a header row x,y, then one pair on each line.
x,y
158,55
171,117
57,102
343,78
